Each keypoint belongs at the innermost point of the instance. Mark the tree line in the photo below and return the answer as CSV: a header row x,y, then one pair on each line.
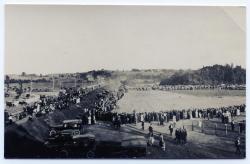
x,y
209,75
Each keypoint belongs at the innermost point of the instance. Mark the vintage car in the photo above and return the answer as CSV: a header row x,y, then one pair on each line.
x,y
134,147
69,127
127,147
77,146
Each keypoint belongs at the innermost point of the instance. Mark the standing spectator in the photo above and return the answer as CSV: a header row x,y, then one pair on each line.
x,y
162,143
151,139
232,125
89,119
150,129
142,125
241,127
171,128
237,112
184,135
174,120
237,145
177,135
93,119
10,119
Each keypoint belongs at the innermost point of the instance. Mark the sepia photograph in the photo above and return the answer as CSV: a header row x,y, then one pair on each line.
x,y
124,82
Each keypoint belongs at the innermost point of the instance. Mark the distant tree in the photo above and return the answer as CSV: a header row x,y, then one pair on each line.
x,y
7,81
23,74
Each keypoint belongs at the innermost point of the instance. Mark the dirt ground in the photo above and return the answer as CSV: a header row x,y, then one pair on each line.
x,y
199,145
152,100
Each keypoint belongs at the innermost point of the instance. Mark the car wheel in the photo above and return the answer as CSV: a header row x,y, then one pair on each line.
x,y
76,132
124,156
64,153
90,154
52,133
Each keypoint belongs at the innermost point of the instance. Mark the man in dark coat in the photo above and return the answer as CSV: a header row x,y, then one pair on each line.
x,y
142,125
184,135
232,125
171,128
150,129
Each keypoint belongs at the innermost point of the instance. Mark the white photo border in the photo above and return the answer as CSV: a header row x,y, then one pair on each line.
x,y
245,3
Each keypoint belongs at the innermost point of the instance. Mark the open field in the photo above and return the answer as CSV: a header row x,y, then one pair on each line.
x,y
151,100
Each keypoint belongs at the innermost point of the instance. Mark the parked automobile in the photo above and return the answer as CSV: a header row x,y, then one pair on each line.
x,y
68,127
77,146
128,147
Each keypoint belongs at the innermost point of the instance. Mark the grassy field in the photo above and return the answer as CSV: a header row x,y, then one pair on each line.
x,y
151,100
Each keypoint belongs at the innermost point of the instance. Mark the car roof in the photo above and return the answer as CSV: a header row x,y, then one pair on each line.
x,y
88,135
134,143
55,126
72,121
133,137
67,131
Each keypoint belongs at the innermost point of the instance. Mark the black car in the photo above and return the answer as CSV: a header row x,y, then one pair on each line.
x,y
126,147
71,127
77,146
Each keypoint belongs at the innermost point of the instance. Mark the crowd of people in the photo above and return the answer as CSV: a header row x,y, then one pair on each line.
x,y
189,87
104,101
199,87
225,113
47,104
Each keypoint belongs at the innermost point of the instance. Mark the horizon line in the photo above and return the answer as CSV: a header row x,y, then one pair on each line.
x,y
122,70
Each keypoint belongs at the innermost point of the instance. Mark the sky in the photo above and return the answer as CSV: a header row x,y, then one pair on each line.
x,y
66,39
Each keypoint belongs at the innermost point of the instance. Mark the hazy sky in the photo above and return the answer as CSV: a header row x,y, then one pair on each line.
x,y
54,39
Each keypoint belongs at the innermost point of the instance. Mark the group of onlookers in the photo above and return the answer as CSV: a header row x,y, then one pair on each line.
x,y
198,87
225,113
104,101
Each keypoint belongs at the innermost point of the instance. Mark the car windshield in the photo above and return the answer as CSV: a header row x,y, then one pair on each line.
x,y
71,125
